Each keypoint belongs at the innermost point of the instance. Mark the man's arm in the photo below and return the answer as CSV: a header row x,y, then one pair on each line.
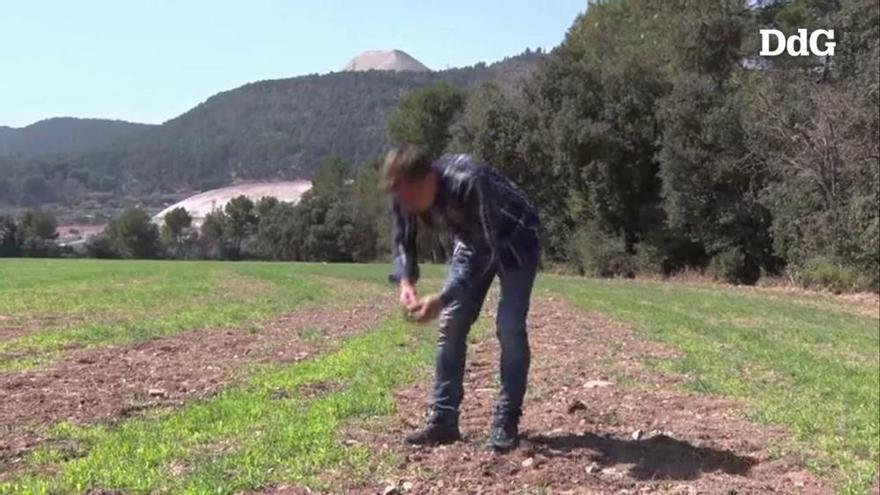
x,y
403,247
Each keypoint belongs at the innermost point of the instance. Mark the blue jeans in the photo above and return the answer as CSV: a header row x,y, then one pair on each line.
x,y
510,323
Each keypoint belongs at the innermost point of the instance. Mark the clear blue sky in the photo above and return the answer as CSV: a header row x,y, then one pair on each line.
x,y
151,60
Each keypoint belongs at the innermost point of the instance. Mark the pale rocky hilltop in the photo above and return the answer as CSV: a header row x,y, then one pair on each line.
x,y
394,60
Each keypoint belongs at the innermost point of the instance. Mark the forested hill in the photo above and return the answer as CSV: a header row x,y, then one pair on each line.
x,y
64,135
276,129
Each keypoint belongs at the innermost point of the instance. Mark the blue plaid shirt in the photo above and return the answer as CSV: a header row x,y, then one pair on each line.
x,y
482,209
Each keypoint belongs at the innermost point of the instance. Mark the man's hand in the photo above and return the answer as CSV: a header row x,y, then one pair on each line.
x,y
408,296
426,309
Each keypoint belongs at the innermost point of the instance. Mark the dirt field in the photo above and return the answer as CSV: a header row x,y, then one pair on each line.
x,y
113,382
597,421
603,412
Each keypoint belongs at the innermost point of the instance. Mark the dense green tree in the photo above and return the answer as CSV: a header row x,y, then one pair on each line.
x,y
581,135
264,206
327,230
9,240
38,224
100,246
175,232
279,234
711,182
655,138
37,234
819,138
211,235
338,220
424,117
133,235
369,214
330,176
241,221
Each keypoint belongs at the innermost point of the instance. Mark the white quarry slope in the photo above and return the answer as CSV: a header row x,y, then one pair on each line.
x,y
203,203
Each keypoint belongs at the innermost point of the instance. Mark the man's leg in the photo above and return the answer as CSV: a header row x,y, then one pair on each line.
x,y
513,309
455,323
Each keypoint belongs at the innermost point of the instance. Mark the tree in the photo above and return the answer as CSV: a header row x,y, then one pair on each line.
x,y
241,221
9,244
37,234
501,127
279,234
264,206
330,176
711,182
133,235
176,221
424,117
211,235
38,224
175,229
100,246
580,136
823,180
369,214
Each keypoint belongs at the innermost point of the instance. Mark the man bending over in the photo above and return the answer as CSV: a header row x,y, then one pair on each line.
x,y
496,232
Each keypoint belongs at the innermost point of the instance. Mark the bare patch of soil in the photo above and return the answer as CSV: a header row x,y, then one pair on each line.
x,y
11,328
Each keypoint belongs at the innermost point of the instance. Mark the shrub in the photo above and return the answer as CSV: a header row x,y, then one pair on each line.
x,y
650,259
101,246
733,266
600,255
831,274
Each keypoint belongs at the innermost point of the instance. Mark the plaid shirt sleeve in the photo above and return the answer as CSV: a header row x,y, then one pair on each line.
x,y
403,246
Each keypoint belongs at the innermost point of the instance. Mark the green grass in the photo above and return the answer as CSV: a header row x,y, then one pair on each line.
x,y
245,437
128,301
812,367
815,370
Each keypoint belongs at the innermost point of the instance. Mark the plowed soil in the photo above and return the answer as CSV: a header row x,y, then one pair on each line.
x,y
597,420
116,381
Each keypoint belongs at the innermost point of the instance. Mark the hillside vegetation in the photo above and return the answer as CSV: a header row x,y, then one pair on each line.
x,y
276,129
64,135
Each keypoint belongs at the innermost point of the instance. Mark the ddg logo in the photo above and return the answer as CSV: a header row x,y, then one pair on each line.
x,y
797,45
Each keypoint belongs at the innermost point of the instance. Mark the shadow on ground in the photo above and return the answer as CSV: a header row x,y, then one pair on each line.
x,y
658,457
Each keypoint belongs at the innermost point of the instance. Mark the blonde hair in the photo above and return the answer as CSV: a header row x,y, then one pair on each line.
x,y
405,163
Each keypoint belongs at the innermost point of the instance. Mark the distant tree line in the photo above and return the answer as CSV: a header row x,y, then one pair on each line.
x,y
342,218
32,235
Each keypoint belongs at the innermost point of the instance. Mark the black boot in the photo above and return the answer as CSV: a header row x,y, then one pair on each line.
x,y
504,435
441,429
